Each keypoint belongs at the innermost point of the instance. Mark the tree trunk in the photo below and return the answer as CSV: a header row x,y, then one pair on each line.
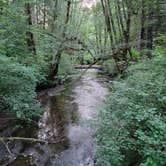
x,y
143,32
44,15
127,37
55,66
150,32
107,22
112,22
68,11
30,36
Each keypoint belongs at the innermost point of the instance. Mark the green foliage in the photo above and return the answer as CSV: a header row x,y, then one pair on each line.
x,y
132,126
65,66
109,67
135,53
13,36
87,59
161,45
17,87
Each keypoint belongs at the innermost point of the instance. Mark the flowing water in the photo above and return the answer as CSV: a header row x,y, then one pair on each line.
x,y
68,112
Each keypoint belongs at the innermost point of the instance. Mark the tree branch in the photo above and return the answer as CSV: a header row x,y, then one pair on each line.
x,y
2,139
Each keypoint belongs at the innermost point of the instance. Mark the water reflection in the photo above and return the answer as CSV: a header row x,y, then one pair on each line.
x,y
60,112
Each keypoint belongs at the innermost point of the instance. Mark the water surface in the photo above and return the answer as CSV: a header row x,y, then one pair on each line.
x,y
68,112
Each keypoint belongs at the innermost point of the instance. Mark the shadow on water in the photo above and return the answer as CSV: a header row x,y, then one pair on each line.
x,y
60,111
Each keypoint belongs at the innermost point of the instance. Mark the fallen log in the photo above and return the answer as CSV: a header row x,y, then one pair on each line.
x,y
27,140
87,67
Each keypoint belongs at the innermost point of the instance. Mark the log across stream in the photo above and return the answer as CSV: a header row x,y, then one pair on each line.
x,y
68,112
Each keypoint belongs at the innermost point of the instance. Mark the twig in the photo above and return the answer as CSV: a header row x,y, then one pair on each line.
x,y
6,146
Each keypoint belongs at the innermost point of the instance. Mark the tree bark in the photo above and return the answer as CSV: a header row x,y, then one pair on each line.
x,y
44,15
150,32
30,36
68,11
112,21
143,20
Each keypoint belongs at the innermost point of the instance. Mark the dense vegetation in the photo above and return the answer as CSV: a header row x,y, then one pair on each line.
x,y
17,86
41,42
132,125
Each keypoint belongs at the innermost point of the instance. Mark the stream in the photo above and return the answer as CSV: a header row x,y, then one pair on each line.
x,y
66,120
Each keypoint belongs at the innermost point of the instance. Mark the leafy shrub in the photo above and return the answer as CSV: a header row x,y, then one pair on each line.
x,y
131,127
65,66
17,90
161,44
135,53
109,67
87,59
